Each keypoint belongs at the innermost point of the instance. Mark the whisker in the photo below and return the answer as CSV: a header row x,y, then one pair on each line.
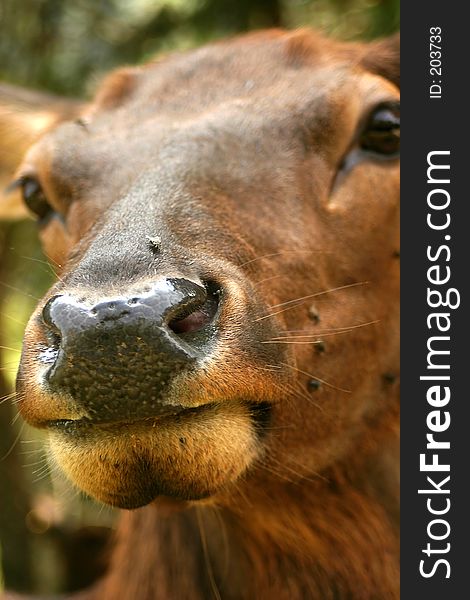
x,y
329,331
29,452
342,287
267,279
42,462
34,259
47,262
42,263
42,474
296,301
286,341
15,441
50,259
7,397
248,262
297,473
318,379
290,391
316,473
225,542
15,289
4,315
278,428
281,475
15,419
215,589
269,369
278,474
300,393
9,348
318,337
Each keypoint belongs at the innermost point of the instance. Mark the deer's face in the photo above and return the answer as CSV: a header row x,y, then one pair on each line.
x,y
198,209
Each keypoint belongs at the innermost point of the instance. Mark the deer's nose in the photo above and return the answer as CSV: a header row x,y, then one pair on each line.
x,y
118,356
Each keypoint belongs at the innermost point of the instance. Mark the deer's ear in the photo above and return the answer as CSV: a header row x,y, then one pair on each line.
x,y
383,58
24,117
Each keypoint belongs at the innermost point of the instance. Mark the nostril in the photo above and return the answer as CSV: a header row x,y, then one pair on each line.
x,y
47,316
193,322
196,318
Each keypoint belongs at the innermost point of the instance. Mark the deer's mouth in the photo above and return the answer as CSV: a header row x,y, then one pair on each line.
x,y
189,455
260,413
85,424
162,391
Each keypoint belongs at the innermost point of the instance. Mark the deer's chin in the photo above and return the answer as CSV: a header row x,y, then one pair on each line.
x,y
190,457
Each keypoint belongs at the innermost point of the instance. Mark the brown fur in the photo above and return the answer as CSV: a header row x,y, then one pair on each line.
x,y
117,88
245,140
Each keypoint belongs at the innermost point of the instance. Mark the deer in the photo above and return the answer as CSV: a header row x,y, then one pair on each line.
x,y
219,355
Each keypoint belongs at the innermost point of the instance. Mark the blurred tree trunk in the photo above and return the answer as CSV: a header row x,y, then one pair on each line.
x,y
16,555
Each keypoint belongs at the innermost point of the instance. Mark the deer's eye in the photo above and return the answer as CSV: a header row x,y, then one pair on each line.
x,y
35,199
381,134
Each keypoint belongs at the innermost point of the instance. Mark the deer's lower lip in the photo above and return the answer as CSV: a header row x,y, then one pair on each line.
x,y
259,412
81,426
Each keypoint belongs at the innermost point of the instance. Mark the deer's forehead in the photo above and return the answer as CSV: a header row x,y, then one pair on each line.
x,y
230,104
289,113
239,67
271,93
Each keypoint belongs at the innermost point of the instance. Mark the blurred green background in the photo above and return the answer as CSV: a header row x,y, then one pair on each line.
x,y
51,537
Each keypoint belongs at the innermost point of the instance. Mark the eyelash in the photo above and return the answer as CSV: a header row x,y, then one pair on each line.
x,y
34,197
381,134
